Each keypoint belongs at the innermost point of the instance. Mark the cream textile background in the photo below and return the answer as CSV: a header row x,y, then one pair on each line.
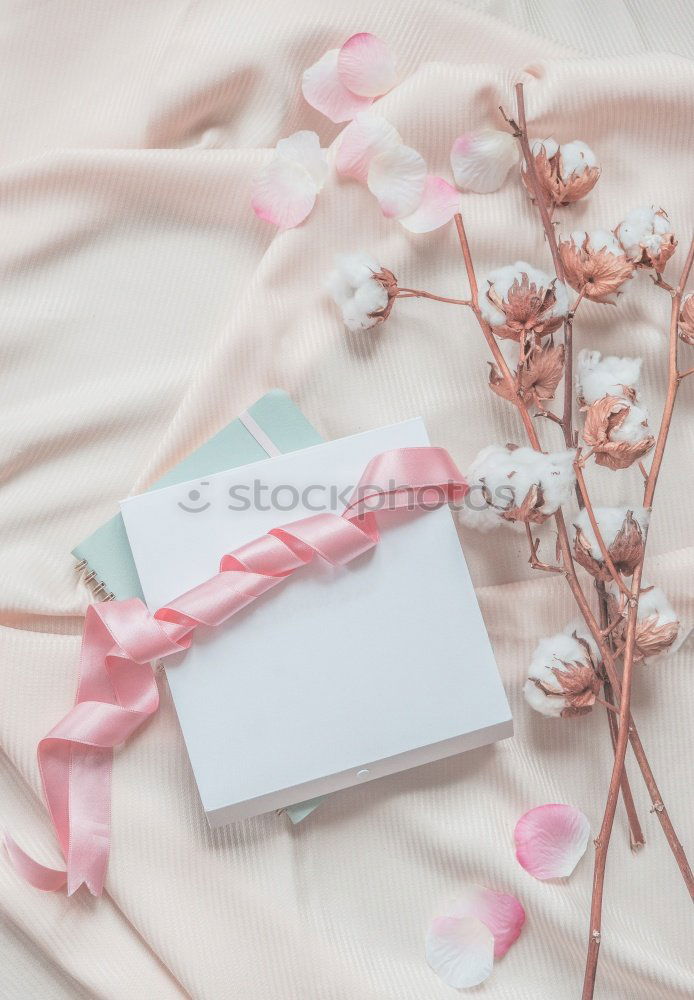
x,y
142,305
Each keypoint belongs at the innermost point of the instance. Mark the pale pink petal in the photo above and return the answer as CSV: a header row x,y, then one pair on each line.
x,y
283,193
480,161
551,840
365,137
323,89
397,177
366,66
460,950
439,204
304,148
498,911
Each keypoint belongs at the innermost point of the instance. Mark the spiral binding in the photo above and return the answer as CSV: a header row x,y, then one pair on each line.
x,y
98,588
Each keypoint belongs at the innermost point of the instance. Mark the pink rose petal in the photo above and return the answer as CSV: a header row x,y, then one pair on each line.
x,y
365,65
500,912
283,193
304,148
460,950
397,177
323,89
480,161
365,137
439,204
551,840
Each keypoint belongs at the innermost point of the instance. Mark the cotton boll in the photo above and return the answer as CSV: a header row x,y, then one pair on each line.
x,y
357,267
654,603
657,626
522,299
355,318
609,376
362,289
547,705
576,157
610,521
565,173
616,431
490,469
503,278
595,265
634,427
647,237
520,483
557,480
639,227
562,674
371,296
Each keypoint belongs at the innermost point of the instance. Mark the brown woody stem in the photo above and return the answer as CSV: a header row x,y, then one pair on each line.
x,y
603,839
521,133
566,421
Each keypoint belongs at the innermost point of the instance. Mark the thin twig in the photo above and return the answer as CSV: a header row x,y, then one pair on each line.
x,y
603,838
616,575
410,293
636,837
550,416
534,546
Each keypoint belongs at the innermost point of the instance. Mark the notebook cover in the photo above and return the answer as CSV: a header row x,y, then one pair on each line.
x,y
107,552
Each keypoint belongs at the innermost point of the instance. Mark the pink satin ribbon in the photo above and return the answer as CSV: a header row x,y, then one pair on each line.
x,y
117,690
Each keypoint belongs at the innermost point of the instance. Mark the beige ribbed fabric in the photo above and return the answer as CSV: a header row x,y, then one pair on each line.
x,y
142,306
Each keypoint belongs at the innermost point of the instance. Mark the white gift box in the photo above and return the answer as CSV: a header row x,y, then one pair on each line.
x,y
339,674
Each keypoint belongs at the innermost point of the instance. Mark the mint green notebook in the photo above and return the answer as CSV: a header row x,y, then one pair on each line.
x,y
273,425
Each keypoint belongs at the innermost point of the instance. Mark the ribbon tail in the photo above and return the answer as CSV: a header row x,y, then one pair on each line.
x,y
90,817
41,877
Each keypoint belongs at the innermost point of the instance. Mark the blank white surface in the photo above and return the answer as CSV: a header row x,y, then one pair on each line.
x,y
336,667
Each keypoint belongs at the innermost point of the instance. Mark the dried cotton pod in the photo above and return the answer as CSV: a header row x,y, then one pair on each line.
x,y
536,378
522,301
565,172
609,376
647,237
516,484
562,677
617,431
623,533
657,623
595,265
